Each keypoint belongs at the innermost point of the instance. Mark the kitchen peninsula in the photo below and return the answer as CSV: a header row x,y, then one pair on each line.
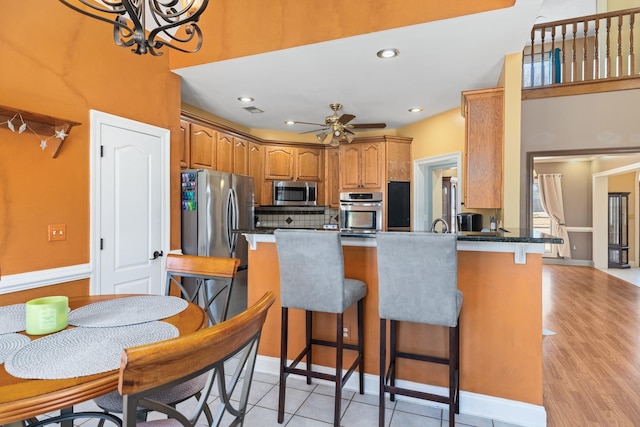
x,y
500,274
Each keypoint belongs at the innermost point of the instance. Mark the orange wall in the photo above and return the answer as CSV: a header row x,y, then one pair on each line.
x,y
57,62
235,28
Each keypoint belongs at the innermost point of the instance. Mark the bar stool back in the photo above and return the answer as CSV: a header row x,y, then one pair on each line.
x,y
312,279
417,279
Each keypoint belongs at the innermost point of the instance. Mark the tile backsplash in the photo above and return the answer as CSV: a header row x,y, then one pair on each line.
x,y
295,217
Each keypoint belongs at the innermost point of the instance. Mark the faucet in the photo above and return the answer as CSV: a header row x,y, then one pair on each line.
x,y
436,221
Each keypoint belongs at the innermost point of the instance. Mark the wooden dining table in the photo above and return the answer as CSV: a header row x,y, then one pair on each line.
x,y
21,399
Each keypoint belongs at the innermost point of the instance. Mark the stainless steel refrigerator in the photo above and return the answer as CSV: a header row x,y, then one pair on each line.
x,y
213,205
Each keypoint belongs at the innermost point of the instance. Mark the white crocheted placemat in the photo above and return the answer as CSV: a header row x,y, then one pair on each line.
x,y
10,343
13,318
127,311
83,351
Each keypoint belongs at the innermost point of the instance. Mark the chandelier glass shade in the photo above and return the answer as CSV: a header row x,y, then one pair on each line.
x,y
174,22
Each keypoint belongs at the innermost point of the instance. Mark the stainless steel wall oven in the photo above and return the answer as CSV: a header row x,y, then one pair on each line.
x,y
361,212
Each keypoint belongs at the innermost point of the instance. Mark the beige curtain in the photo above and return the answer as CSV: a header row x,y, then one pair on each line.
x,y
551,198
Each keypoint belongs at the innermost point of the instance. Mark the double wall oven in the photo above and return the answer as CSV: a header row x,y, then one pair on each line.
x,y
361,212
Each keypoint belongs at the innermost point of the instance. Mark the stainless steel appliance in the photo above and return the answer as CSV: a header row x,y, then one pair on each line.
x,y
361,212
468,221
213,205
295,193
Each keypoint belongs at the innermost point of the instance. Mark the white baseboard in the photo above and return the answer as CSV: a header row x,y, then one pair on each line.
x,y
37,279
480,405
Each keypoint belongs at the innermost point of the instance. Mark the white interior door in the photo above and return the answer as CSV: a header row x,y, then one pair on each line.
x,y
131,205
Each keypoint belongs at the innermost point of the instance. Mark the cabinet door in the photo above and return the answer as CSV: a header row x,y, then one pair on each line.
x,y
278,163
203,153
484,146
184,144
350,166
371,165
333,178
398,161
240,156
225,148
255,170
309,164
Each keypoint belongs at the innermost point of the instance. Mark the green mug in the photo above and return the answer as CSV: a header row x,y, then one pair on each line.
x,y
47,315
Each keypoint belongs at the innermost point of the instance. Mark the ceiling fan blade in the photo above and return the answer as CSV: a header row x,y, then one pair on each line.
x,y
307,123
313,131
346,118
368,126
347,131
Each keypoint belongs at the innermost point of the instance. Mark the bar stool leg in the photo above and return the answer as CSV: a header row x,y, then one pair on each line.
x,y
361,343
284,329
392,357
309,333
339,348
383,369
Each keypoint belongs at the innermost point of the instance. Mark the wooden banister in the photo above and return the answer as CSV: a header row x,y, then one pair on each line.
x,y
575,50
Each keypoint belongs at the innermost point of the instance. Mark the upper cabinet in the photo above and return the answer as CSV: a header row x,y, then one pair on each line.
x,y
203,147
241,156
332,181
361,166
293,163
256,171
398,159
484,125
185,145
224,152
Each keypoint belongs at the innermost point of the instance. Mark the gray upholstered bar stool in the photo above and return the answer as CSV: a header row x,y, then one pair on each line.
x,y
418,282
312,279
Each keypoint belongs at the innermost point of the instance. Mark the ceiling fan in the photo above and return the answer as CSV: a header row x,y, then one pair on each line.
x,y
337,127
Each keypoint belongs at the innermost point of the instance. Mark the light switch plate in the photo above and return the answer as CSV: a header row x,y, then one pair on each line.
x,y
57,232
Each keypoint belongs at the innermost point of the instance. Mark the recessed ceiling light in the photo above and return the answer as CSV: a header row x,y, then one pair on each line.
x,y
388,53
245,99
289,122
415,109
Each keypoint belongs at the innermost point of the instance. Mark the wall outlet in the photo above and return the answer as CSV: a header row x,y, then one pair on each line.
x,y
346,332
57,232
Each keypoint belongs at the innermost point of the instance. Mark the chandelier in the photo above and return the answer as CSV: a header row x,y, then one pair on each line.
x,y
129,19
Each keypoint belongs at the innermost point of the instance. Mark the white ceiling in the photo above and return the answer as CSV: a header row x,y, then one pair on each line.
x,y
437,61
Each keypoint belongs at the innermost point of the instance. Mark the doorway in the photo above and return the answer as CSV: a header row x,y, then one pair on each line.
x,y
129,163
428,194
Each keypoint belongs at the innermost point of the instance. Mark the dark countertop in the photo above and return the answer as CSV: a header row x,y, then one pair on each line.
x,y
521,235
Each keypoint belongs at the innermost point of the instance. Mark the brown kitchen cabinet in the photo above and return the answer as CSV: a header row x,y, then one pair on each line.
x,y
293,163
184,144
203,146
361,166
332,180
484,135
255,170
398,157
241,156
224,152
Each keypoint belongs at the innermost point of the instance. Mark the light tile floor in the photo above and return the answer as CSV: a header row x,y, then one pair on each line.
x,y
312,406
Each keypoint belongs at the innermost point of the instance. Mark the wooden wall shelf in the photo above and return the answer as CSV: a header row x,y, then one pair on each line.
x,y
43,126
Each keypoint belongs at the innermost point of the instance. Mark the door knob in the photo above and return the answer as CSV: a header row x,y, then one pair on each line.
x,y
156,255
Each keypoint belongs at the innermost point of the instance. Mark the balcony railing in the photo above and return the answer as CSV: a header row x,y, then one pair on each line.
x,y
590,48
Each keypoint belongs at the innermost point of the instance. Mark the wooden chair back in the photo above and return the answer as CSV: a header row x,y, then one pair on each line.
x,y
154,367
200,269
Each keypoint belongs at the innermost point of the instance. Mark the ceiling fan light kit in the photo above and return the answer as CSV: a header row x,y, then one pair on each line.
x,y
338,127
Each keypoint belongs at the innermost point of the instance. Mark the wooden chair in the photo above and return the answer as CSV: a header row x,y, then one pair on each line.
x,y
199,269
194,272
149,369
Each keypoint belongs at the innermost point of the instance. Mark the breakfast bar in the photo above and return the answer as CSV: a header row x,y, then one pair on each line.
x,y
500,275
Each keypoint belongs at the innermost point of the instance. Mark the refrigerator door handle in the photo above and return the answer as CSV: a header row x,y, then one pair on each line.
x,y
232,220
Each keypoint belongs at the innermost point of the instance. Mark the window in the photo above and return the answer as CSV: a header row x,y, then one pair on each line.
x,y
543,70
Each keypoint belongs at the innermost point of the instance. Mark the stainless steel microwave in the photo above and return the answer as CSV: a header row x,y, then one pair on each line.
x,y
295,193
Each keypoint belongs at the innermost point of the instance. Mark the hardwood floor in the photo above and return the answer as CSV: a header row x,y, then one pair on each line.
x,y
592,364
